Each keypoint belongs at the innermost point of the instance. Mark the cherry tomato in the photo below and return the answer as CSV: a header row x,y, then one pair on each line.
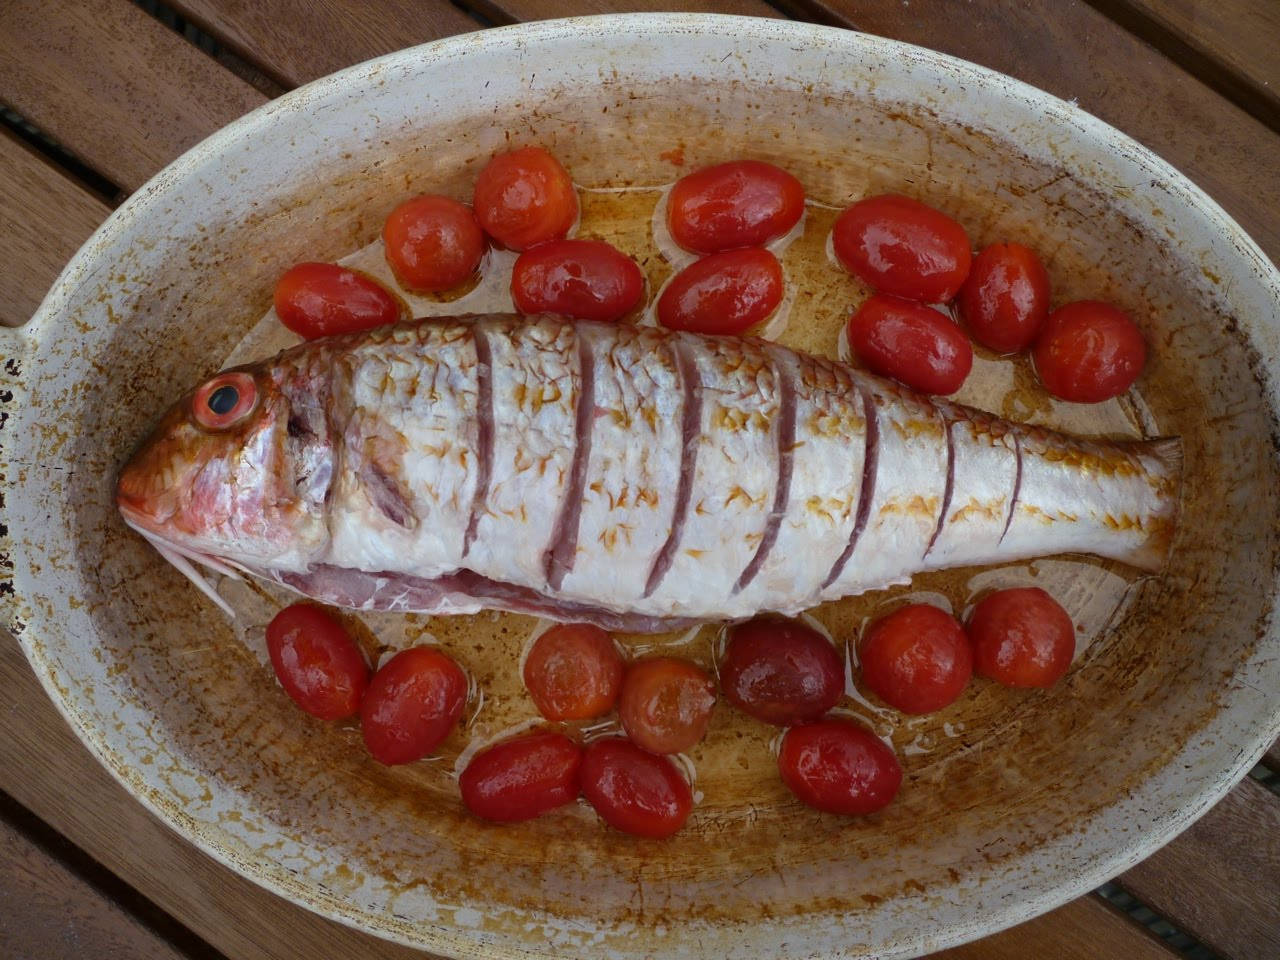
x,y
839,766
911,343
634,791
525,197
576,278
412,703
522,778
1005,300
573,672
666,704
433,243
317,662
723,293
741,204
903,247
916,659
322,299
1089,351
1022,638
780,671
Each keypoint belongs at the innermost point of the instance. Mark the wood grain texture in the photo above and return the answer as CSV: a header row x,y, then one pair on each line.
x,y
1079,54
514,11
44,218
47,912
1220,880
295,41
1085,929
113,85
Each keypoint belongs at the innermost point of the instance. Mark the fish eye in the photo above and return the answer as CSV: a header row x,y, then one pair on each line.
x,y
225,400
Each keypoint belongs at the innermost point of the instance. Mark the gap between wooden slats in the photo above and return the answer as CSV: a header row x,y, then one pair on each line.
x,y
513,11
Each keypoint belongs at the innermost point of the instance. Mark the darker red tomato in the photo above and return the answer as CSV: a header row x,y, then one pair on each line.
x,y
666,704
576,278
903,247
916,659
322,299
723,293
412,703
432,243
911,343
1022,638
780,671
573,672
839,767
522,778
634,791
525,197
1005,300
317,662
1089,351
745,203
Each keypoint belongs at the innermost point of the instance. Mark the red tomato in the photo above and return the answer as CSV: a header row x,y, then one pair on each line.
x,y
1022,638
780,671
576,278
522,778
1005,300
904,247
317,662
916,659
634,791
433,243
666,704
723,293
525,197
1089,351
322,299
839,767
412,703
573,672
741,204
911,343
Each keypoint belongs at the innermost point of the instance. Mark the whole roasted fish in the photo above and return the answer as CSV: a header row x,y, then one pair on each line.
x,y
634,477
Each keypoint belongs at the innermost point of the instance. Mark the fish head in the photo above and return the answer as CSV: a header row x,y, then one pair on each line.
x,y
236,473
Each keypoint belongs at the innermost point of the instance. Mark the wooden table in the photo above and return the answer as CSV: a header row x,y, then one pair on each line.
x,y
100,94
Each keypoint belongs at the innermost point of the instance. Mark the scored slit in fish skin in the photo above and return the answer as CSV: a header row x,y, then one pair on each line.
x,y
635,477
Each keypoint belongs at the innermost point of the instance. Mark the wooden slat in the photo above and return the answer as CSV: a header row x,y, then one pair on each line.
x,y
44,218
295,41
47,912
512,11
112,84
1220,880
1071,50
1085,929
1271,758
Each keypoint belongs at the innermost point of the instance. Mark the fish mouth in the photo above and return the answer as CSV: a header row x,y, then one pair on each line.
x,y
178,555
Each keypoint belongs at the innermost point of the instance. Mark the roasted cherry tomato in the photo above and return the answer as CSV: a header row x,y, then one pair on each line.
x,y
1022,638
317,662
916,659
525,197
839,766
573,672
911,343
412,703
1005,300
745,203
576,278
666,704
634,791
433,243
321,299
723,293
1089,351
522,778
903,247
780,671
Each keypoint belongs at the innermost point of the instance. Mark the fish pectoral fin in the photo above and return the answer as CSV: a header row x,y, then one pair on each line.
x,y
386,494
